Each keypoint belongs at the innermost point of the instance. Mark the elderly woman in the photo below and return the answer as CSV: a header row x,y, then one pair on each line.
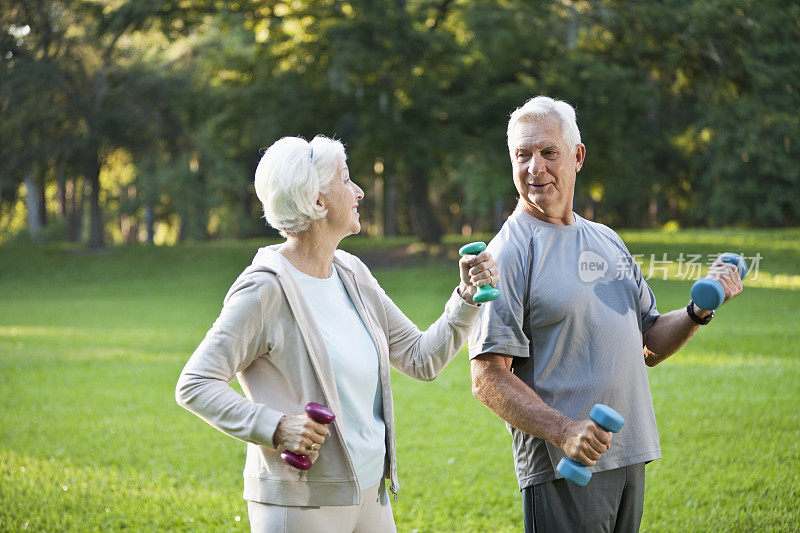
x,y
307,322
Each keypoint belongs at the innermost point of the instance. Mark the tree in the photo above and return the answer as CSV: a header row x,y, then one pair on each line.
x,y
688,108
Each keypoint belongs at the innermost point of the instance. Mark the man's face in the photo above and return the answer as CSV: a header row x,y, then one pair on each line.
x,y
544,169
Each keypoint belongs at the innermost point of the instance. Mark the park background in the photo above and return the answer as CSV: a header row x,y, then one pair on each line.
x,y
129,133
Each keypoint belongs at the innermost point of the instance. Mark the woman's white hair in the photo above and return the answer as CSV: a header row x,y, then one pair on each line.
x,y
290,177
540,107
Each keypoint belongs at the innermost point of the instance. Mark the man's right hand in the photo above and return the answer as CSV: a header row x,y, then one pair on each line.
x,y
584,441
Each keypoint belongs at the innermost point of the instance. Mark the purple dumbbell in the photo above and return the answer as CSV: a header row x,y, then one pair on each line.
x,y
318,413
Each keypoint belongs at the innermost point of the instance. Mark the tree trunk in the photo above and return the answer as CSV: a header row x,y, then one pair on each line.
x,y
652,211
128,224
92,175
42,199
573,27
32,199
61,192
588,212
377,226
194,219
92,156
75,194
424,223
390,228
149,222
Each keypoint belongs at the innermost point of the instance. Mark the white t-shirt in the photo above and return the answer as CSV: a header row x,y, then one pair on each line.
x,y
355,369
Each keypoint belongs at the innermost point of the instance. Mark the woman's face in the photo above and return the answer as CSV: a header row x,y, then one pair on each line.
x,y
341,201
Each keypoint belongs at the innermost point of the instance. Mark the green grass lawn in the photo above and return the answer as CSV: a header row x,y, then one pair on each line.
x,y
91,439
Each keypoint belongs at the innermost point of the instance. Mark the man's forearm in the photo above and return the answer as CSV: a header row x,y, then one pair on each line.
x,y
669,333
516,403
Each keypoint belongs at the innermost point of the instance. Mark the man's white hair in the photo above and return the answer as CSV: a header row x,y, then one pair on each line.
x,y
290,177
540,107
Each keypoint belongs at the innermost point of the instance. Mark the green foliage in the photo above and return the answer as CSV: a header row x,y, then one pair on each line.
x,y
688,107
91,345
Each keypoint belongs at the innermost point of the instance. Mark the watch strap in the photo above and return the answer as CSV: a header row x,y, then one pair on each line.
x,y
696,319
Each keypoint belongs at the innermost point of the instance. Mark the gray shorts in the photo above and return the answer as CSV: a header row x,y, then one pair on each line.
x,y
613,501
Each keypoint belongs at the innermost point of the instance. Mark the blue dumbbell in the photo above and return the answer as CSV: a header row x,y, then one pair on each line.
x,y
485,293
708,293
606,418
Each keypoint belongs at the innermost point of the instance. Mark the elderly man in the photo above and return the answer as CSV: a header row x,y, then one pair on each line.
x,y
575,325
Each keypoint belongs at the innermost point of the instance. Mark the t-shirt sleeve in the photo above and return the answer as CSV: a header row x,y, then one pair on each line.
x,y
648,312
500,327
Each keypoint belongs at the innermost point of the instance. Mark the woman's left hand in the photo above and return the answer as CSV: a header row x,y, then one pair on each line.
x,y
477,270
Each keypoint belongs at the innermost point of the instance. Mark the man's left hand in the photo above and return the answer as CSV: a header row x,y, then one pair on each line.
x,y
728,275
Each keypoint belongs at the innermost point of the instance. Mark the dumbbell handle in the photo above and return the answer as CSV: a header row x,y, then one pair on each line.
x,y
318,413
606,418
485,293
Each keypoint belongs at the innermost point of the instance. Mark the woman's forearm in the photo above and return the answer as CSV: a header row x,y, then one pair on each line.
x,y
423,355
217,403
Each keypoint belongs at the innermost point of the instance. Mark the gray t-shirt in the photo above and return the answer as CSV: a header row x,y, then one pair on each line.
x,y
572,308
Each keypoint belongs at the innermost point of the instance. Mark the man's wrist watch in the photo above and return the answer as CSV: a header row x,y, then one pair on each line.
x,y
696,319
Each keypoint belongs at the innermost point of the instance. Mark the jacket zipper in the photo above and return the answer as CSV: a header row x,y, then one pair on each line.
x,y
392,470
336,421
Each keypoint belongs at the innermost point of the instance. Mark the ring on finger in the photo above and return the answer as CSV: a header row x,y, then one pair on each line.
x,y
312,447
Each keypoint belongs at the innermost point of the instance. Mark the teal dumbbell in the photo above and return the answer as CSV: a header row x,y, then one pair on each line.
x,y
709,293
485,293
606,418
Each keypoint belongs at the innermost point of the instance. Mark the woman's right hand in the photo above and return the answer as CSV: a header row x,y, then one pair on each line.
x,y
300,434
476,270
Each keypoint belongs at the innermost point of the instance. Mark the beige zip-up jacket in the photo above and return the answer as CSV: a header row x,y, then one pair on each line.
x,y
267,337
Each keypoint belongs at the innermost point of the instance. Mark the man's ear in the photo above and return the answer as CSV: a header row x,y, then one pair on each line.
x,y
320,202
580,157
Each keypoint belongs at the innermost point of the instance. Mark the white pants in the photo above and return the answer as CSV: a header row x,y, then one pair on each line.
x,y
367,517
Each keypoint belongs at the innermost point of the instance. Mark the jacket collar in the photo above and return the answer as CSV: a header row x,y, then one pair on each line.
x,y
267,258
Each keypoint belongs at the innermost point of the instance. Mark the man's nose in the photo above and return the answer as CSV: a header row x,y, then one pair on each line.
x,y
536,165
